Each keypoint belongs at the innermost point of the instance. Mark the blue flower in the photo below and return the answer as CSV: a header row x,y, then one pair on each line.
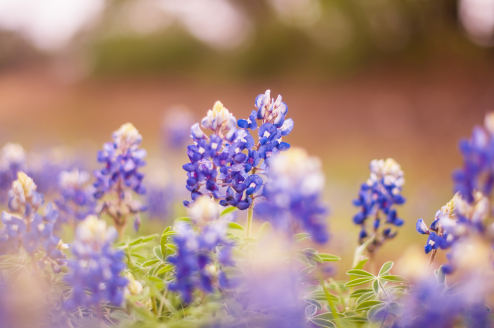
x,y
12,160
378,196
159,201
121,176
193,261
97,267
76,200
477,173
227,164
293,195
28,229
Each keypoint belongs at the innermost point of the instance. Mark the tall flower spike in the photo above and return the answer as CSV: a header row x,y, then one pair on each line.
x,y
377,198
227,165
97,267
121,176
27,228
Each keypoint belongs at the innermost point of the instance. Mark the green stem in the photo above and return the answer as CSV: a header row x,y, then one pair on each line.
x,y
334,311
250,214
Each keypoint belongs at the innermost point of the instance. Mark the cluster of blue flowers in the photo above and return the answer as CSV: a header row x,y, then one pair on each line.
x,y
377,197
76,199
159,201
226,158
30,230
477,173
194,267
12,161
293,195
95,273
121,176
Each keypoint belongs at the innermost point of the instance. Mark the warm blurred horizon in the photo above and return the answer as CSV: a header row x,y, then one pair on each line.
x,y
362,80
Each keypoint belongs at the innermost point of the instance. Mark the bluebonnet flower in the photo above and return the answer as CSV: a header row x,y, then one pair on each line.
x,y
432,305
176,126
29,229
225,159
477,172
293,194
95,273
45,167
194,267
438,236
76,200
12,160
376,200
121,176
159,201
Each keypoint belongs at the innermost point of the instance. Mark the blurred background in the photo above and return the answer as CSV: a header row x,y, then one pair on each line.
x,y
362,79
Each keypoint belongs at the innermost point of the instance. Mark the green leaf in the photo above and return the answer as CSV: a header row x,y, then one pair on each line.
x,y
228,210
265,229
184,219
365,297
135,242
314,302
374,310
359,281
360,265
385,268
367,305
357,319
150,262
323,323
359,273
393,278
359,292
329,257
157,252
321,296
326,316
172,247
139,256
358,257
233,225
164,238
301,236
164,269
145,239
375,286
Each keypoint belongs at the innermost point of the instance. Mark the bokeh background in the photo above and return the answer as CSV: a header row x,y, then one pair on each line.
x,y
362,79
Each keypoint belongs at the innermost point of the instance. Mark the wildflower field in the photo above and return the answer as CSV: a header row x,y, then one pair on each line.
x,y
82,248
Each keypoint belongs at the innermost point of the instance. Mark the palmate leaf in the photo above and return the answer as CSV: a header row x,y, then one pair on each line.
x,y
375,286
359,292
359,281
365,297
356,319
385,268
321,296
323,323
367,305
327,316
393,278
359,273
166,268
314,302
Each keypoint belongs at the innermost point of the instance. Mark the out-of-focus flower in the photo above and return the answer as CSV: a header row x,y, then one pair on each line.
x,y
29,229
176,126
76,200
97,266
12,160
376,199
121,176
293,194
193,260
159,200
134,287
477,173
204,210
